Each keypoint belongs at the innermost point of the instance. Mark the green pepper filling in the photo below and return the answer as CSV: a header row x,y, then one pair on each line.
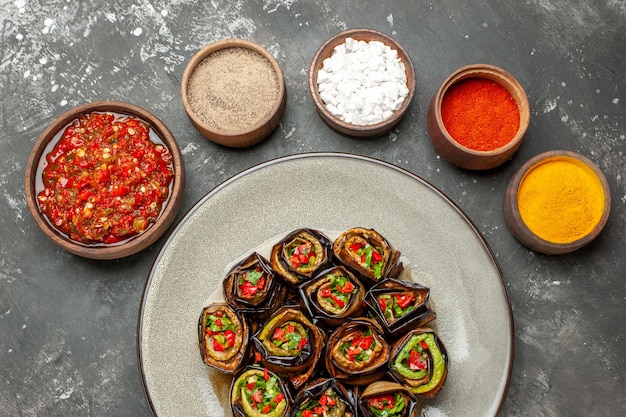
x,y
421,358
387,405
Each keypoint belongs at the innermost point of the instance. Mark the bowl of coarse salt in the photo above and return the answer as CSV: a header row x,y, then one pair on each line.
x,y
362,82
234,92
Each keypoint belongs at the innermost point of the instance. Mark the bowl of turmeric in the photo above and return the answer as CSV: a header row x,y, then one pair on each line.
x,y
557,202
478,117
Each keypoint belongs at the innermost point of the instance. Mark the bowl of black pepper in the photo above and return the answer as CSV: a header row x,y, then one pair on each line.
x,y
234,92
105,180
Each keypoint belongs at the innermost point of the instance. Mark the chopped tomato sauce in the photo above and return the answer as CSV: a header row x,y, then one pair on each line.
x,y
105,180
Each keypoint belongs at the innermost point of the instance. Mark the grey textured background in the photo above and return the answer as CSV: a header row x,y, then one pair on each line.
x,y
68,325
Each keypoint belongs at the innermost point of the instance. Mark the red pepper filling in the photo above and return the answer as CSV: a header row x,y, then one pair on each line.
x,y
105,180
251,283
302,255
360,347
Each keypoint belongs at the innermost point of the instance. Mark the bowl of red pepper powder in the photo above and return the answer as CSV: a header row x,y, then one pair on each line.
x,y
105,180
477,119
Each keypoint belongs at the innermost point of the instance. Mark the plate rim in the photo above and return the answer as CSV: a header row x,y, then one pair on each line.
x,y
282,159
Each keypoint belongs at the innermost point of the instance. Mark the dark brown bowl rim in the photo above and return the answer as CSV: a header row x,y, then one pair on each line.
x,y
325,51
527,236
224,135
502,77
136,243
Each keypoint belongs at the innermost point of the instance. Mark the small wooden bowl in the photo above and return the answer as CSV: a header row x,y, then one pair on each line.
x,y
520,229
247,135
326,50
460,155
125,248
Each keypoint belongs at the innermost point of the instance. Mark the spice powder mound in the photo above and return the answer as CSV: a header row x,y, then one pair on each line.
x,y
480,114
233,89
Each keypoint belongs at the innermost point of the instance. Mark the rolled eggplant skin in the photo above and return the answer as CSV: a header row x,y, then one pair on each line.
x,y
293,274
227,362
372,271
423,384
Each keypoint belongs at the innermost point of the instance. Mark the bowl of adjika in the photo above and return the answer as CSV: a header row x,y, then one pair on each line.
x,y
105,180
234,92
362,82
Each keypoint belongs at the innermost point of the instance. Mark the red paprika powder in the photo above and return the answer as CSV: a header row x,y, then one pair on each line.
x,y
480,114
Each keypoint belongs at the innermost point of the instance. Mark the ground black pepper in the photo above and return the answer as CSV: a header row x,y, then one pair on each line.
x,y
233,89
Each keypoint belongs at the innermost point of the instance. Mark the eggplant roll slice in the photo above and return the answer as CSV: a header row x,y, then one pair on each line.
x,y
419,362
400,305
258,392
290,345
389,399
368,254
323,398
333,295
252,288
301,255
357,352
223,337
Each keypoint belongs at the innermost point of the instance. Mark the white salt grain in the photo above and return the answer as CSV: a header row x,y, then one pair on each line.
x,y
362,83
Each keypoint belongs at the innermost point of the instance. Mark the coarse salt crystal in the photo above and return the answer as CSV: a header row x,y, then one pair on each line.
x,y
362,83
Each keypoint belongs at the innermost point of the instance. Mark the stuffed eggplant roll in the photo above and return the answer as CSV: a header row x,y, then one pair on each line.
x,y
323,398
419,362
252,288
368,254
400,305
388,399
223,337
290,345
333,295
258,392
301,255
357,352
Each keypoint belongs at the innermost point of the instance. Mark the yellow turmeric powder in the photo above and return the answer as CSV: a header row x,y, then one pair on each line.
x,y
561,200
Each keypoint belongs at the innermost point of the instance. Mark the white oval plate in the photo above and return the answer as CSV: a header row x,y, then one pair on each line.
x,y
326,191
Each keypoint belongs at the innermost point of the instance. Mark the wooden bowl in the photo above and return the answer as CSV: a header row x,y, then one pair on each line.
x,y
453,151
263,117
43,146
539,240
326,50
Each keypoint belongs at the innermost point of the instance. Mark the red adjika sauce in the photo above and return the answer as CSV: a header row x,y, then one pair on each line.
x,y
105,180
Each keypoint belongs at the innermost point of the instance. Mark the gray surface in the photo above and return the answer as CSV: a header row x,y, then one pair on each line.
x,y
68,325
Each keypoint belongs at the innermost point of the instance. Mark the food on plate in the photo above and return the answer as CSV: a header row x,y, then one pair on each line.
x,y
223,335
324,397
258,392
290,345
358,353
251,287
368,254
300,255
105,180
386,399
400,305
419,362
333,295
320,341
